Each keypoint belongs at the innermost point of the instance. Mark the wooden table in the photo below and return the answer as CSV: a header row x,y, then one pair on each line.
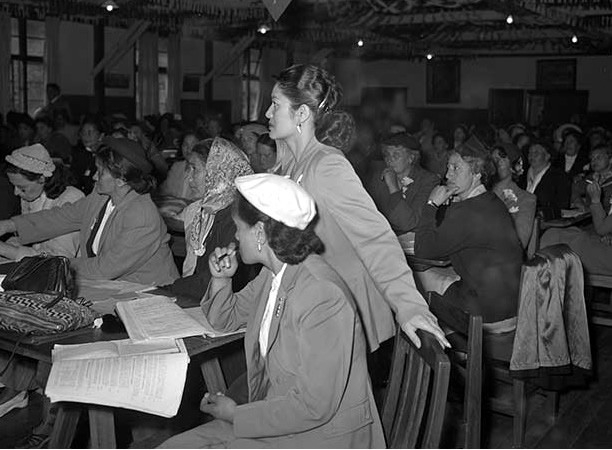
x,y
101,418
565,222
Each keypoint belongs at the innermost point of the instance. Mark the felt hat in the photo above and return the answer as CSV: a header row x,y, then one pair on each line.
x,y
512,151
130,150
33,158
278,197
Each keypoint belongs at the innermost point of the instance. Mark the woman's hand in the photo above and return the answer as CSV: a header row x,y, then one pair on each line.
x,y
594,191
440,194
219,406
424,321
390,179
7,226
223,262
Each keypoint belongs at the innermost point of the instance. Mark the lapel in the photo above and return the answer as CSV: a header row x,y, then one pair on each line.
x,y
125,201
287,284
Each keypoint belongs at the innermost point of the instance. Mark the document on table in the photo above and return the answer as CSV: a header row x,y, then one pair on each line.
x,y
105,294
198,315
149,379
157,317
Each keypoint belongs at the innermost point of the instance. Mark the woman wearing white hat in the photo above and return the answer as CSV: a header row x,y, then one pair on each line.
x,y
40,185
359,242
305,346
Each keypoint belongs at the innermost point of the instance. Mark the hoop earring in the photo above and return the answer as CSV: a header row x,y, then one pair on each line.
x,y
258,246
299,128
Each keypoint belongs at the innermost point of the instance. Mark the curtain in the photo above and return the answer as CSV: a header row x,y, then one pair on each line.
x,y
148,70
5,63
175,75
52,51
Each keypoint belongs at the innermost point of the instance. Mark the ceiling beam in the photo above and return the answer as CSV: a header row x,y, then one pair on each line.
x,y
430,18
126,42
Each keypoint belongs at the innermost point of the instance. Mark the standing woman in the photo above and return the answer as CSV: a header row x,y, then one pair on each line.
x,y
40,185
359,243
122,236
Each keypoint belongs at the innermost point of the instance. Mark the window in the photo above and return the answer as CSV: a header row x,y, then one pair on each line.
x,y
251,85
27,67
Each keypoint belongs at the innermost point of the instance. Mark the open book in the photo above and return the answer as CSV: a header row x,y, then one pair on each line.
x,y
148,377
158,317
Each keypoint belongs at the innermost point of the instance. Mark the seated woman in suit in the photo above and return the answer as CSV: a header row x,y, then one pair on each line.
x,y
550,184
573,159
521,204
40,185
477,234
212,167
601,172
122,236
305,345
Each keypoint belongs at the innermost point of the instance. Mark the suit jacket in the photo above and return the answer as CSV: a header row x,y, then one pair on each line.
x,y
403,209
359,243
133,245
312,389
582,160
554,191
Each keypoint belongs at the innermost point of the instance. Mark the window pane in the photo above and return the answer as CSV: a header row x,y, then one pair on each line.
x,y
36,29
14,46
163,92
36,86
163,59
14,36
14,27
17,86
36,47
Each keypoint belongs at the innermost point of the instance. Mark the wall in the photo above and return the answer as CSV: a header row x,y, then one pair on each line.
x,y
478,75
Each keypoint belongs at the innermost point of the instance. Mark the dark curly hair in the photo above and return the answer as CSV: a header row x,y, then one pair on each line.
x,y
337,129
310,85
290,245
54,186
123,169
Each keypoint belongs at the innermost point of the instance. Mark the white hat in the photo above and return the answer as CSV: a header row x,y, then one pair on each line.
x,y
560,132
278,197
33,158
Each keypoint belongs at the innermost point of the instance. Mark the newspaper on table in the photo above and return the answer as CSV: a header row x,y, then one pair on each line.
x,y
144,376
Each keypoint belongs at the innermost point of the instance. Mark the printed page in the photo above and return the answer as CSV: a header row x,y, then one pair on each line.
x,y
209,331
109,349
151,383
157,317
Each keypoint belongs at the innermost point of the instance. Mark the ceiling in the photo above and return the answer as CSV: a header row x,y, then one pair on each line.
x,y
388,28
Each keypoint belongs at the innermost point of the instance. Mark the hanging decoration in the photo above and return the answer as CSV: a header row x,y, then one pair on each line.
x,y
276,7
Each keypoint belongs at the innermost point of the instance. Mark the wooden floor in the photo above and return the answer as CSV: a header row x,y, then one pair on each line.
x,y
585,419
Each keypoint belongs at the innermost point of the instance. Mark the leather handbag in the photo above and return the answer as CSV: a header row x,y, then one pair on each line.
x,y
34,313
48,274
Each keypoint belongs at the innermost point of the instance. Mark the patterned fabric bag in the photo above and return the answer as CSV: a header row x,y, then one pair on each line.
x,y
32,313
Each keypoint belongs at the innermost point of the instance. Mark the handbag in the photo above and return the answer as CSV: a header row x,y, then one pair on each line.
x,y
41,273
35,313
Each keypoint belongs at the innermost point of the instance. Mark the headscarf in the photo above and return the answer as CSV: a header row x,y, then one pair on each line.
x,y
224,164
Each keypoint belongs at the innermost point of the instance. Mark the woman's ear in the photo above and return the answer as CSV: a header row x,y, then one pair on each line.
x,y
260,232
303,113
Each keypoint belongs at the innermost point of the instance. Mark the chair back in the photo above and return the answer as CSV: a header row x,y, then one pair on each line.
x,y
534,240
415,402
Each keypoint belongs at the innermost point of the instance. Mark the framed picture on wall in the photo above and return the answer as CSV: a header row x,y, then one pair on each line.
x,y
444,81
553,74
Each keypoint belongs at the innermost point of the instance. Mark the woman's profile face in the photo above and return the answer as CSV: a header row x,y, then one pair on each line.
x,y
247,240
459,174
196,173
105,182
600,160
280,115
502,164
25,189
571,145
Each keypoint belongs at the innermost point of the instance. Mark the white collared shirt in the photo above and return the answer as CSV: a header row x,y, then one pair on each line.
x,y
569,162
534,179
95,246
266,321
480,189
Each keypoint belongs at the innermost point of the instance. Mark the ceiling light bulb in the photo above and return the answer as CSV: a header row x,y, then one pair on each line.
x,y
263,29
109,5
509,19
360,43
429,56
574,39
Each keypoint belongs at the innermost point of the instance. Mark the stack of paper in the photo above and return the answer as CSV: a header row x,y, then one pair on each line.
x,y
148,377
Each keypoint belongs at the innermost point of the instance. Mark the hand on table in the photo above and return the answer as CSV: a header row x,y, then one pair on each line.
x,y
424,321
223,262
219,406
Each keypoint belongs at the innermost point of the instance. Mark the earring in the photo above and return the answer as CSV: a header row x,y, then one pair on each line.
x,y
299,128
258,246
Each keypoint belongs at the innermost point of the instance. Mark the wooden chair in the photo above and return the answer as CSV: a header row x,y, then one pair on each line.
x,y
534,240
415,401
601,281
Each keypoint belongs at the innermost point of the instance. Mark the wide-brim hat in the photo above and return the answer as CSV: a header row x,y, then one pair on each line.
x,y
130,150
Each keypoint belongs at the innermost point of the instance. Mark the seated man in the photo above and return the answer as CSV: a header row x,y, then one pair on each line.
x,y
401,188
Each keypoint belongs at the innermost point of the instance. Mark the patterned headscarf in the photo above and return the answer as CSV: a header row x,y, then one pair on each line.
x,y
224,164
